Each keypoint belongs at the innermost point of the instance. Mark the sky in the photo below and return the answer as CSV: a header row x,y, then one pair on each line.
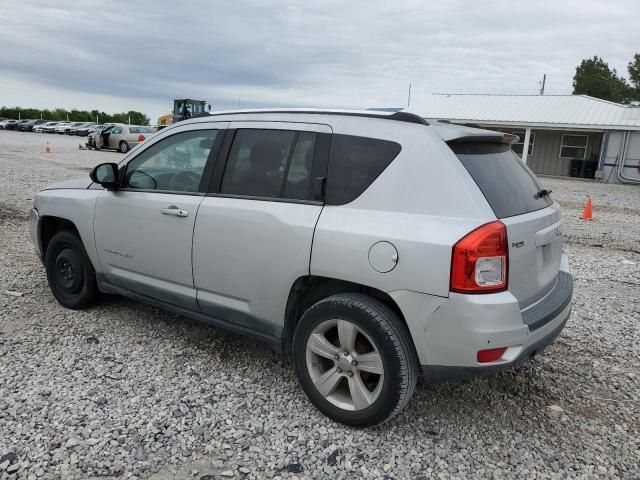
x,y
139,55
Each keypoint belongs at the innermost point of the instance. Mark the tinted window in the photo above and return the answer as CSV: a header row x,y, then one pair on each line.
x,y
354,164
508,185
270,163
174,164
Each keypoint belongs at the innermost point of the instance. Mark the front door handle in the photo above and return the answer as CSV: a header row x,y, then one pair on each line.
x,y
173,210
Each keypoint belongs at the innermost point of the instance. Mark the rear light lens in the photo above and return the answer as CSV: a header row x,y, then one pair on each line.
x,y
490,355
141,138
479,261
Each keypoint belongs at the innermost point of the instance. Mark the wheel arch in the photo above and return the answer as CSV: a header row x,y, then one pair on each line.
x,y
50,225
310,289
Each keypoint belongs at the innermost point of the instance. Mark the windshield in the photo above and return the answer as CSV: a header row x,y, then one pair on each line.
x,y
507,184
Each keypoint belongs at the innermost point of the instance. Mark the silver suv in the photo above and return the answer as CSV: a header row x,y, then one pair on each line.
x,y
368,247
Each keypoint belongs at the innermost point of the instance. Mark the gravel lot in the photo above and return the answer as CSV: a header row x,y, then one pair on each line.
x,y
128,391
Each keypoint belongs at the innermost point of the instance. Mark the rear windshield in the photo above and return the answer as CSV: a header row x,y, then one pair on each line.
x,y
141,130
508,185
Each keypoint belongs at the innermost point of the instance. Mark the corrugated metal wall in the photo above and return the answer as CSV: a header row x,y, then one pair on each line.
x,y
545,158
546,151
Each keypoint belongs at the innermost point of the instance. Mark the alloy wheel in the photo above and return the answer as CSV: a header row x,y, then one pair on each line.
x,y
344,364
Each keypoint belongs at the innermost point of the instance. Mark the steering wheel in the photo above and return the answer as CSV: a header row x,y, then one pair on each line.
x,y
185,181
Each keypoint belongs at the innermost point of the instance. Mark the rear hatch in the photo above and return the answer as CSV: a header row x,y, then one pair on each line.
x,y
534,227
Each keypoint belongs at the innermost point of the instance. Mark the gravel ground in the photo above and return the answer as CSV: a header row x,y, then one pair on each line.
x,y
127,391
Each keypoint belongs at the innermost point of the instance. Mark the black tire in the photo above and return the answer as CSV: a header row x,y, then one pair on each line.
x,y
392,340
124,147
70,274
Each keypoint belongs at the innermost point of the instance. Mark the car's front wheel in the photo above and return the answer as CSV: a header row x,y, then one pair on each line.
x,y
70,274
355,359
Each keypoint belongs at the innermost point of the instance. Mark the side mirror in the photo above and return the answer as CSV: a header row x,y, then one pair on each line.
x,y
105,174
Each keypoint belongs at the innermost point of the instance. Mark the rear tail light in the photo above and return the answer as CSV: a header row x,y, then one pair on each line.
x,y
479,261
141,138
490,355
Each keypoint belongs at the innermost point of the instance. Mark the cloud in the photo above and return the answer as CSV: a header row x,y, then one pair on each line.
x,y
354,54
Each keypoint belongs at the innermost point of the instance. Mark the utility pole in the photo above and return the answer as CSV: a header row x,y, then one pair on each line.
x,y
544,81
409,96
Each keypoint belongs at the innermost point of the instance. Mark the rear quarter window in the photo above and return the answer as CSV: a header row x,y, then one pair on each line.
x,y
507,184
354,164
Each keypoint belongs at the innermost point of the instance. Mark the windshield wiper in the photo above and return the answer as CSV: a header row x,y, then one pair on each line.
x,y
542,193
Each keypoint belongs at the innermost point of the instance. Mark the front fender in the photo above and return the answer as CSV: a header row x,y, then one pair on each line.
x,y
76,206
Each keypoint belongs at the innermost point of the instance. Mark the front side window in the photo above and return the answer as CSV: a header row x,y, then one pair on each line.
x,y
574,146
270,163
174,164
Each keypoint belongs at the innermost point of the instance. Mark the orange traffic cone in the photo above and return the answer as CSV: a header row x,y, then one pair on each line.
x,y
47,148
587,213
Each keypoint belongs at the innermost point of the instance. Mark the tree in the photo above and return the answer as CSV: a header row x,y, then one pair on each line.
x,y
137,118
594,77
634,73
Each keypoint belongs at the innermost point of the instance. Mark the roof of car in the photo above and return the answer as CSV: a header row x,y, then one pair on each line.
x,y
448,132
401,116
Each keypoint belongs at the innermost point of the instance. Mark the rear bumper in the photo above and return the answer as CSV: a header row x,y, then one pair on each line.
x,y
442,373
449,332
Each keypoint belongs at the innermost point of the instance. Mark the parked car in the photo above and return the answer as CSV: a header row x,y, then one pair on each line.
x,y
367,246
73,126
119,136
74,129
52,129
28,126
84,131
43,126
16,124
61,127
8,124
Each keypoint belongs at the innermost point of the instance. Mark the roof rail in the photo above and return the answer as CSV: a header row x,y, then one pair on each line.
x,y
398,116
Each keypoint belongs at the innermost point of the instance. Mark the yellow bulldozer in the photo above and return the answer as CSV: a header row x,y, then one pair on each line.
x,y
184,108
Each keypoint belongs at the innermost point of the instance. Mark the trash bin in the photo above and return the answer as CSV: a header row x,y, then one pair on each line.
x,y
575,167
589,169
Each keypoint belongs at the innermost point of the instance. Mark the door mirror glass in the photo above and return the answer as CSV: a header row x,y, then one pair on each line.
x,y
105,174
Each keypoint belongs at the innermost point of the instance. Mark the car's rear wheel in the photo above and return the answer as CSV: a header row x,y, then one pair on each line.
x,y
70,274
124,147
355,359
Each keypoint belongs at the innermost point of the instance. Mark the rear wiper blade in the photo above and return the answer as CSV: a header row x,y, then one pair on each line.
x,y
542,193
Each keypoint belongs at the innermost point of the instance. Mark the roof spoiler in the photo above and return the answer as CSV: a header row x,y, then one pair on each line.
x,y
496,137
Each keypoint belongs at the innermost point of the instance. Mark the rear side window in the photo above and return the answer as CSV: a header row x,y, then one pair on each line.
x,y
270,163
354,164
507,184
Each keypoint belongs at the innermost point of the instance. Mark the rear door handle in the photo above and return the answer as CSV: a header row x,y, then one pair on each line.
x,y
175,211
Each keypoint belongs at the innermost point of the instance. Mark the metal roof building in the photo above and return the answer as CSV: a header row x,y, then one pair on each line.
x,y
573,135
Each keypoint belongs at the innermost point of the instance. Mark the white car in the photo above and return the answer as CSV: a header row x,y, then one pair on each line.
x,y
5,123
61,127
120,136
44,126
367,246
